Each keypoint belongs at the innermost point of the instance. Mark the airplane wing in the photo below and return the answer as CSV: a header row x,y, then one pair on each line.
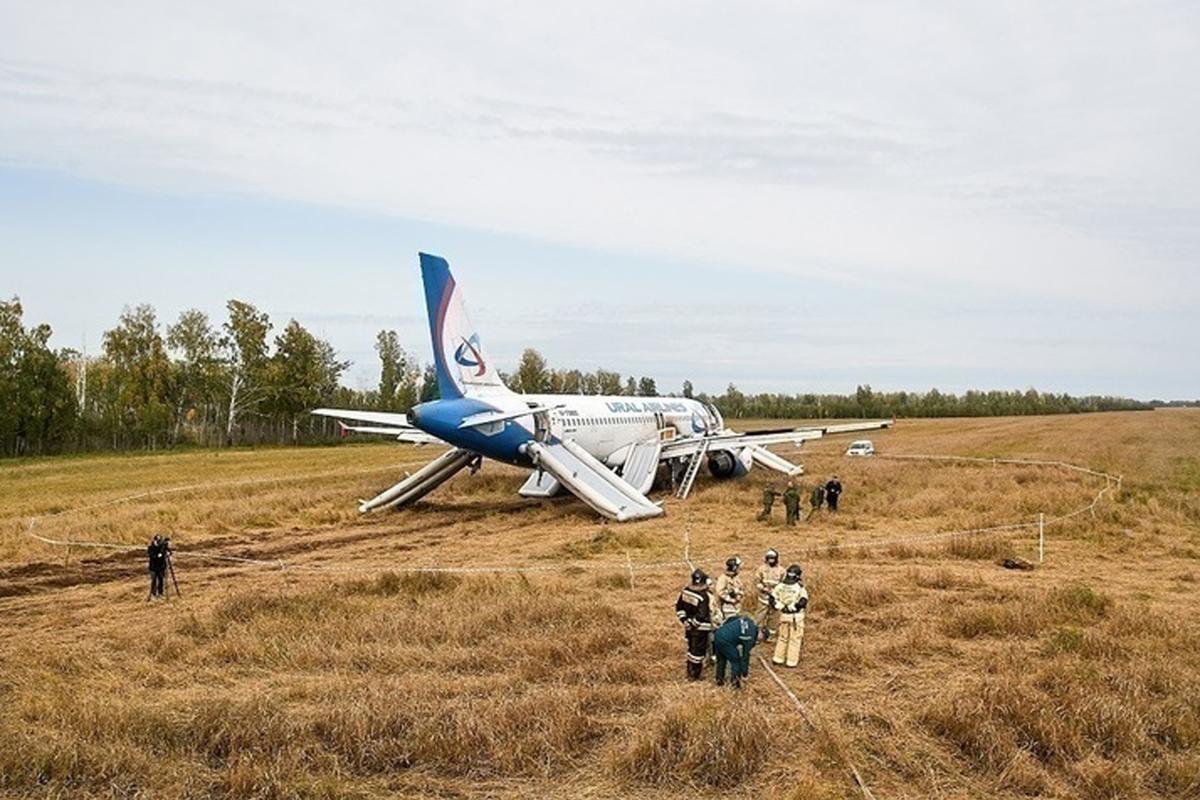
x,y
731,439
383,423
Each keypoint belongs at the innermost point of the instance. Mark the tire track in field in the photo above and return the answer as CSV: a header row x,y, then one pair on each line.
x,y
38,577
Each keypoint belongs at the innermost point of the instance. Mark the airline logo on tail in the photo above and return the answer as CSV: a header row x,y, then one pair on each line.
x,y
461,363
469,354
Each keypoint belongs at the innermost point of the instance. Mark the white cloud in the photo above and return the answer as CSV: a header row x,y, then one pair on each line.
x,y
1045,150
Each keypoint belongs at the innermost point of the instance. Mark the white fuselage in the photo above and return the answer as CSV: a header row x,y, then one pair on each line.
x,y
607,425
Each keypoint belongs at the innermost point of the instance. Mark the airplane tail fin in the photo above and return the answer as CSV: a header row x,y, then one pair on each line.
x,y
463,368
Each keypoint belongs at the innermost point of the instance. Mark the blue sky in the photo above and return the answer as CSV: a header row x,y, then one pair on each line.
x,y
794,200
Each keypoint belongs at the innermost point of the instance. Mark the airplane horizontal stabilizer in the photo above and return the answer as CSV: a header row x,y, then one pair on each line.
x,y
492,417
390,418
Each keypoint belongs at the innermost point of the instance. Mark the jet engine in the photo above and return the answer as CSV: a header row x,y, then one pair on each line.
x,y
730,464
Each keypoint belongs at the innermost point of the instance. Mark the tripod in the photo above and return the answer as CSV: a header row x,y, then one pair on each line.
x,y
171,569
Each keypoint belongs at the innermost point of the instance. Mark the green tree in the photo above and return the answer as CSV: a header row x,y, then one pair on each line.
x,y
245,346
687,389
429,385
37,403
197,372
531,376
398,374
647,388
607,382
572,382
303,372
141,376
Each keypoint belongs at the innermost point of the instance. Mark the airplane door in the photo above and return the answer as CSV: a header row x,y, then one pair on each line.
x,y
666,432
541,426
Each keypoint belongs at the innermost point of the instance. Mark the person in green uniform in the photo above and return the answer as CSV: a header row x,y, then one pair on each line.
x,y
816,499
791,502
769,495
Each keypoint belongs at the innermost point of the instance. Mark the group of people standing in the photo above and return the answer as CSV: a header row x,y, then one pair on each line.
x,y
715,624
822,494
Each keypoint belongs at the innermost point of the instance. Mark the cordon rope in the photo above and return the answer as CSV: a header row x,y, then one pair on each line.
x,y
1110,482
808,718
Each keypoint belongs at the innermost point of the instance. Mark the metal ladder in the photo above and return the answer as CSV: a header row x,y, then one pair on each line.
x,y
693,469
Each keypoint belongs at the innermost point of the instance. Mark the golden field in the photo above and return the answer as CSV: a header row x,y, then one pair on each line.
x,y
334,672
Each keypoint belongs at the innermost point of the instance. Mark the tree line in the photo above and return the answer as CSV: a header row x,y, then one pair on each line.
x,y
243,381
533,376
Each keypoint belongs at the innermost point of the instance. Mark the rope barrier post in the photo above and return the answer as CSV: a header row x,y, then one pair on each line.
x,y
1041,537
629,562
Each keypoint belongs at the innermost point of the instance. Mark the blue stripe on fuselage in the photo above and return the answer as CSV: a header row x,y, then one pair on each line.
x,y
441,418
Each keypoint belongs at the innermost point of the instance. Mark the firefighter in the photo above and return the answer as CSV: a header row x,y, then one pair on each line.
x,y
833,490
729,590
769,495
816,499
791,599
791,503
733,642
157,554
694,610
765,580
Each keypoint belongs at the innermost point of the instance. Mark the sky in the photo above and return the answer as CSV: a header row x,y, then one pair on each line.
x,y
787,196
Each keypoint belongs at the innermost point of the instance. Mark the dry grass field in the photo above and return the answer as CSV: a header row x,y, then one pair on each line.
x,y
332,672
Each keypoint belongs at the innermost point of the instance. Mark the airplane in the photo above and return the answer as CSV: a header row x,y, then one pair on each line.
x,y
606,450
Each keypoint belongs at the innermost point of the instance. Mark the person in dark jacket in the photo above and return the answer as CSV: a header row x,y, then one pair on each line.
x,y
816,500
694,609
157,554
833,490
733,642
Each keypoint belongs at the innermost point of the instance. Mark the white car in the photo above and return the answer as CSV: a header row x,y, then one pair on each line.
x,y
862,448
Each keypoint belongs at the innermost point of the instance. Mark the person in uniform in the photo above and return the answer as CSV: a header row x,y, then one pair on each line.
x,y
816,499
694,610
733,642
156,554
769,495
765,580
791,503
729,590
791,599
